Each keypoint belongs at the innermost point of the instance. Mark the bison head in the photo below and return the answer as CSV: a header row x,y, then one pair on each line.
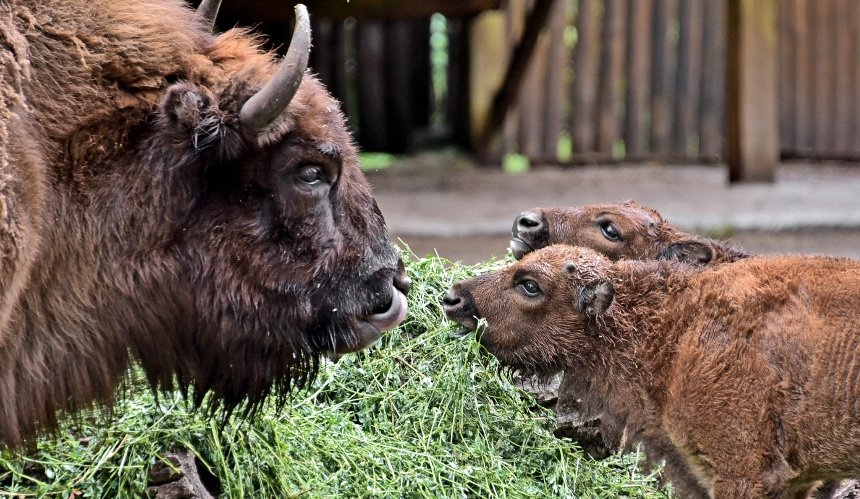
x,y
539,311
283,254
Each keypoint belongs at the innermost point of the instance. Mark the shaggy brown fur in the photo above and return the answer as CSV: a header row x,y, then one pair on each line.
x,y
137,220
618,230
743,377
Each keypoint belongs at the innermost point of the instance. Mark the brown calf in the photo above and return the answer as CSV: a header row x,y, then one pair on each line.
x,y
743,377
618,230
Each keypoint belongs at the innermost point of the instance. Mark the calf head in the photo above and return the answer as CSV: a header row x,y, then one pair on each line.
x,y
539,312
619,231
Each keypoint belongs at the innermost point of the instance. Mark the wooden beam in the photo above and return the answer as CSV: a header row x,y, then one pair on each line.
x,y
506,95
752,91
278,10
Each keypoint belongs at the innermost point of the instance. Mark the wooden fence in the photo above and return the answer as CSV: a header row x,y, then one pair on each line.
x,y
645,79
610,80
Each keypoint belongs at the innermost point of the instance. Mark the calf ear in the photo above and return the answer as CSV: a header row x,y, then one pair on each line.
x,y
690,251
595,298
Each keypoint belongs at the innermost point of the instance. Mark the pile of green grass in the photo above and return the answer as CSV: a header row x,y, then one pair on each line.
x,y
420,415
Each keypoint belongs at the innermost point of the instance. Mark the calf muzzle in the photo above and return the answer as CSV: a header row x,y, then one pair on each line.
x,y
460,308
529,233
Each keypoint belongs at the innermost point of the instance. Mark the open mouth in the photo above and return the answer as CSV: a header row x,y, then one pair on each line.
x,y
519,248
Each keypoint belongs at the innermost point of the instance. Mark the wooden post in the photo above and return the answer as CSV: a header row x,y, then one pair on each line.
x,y
752,92
504,98
638,71
610,75
685,111
584,87
486,73
558,60
660,70
712,99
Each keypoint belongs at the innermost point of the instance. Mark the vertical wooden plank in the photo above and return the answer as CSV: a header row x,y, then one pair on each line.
x,y
372,86
322,58
638,51
399,57
421,94
506,96
487,48
846,58
752,126
610,77
660,70
804,85
515,14
787,51
823,75
584,87
530,101
685,109
458,112
346,40
855,115
557,63
711,107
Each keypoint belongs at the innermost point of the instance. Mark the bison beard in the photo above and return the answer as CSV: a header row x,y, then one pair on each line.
x,y
150,209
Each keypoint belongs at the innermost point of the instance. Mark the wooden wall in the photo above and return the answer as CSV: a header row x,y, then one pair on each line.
x,y
611,79
645,79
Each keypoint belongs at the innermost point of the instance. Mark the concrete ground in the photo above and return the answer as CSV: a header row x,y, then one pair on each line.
x,y
442,204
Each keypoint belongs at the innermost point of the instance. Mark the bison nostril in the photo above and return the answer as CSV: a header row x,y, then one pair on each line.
x,y
402,284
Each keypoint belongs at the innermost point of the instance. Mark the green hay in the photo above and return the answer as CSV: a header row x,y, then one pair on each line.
x,y
420,415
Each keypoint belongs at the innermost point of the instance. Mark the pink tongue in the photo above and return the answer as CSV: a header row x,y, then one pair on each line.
x,y
391,317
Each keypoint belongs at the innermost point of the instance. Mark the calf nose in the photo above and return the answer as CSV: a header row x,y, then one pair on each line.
x,y
529,233
528,223
459,308
451,300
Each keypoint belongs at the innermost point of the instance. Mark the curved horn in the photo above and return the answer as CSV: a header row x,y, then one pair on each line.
x,y
208,9
267,104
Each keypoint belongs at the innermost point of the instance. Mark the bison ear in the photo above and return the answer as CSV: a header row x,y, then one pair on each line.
x,y
690,251
595,298
192,114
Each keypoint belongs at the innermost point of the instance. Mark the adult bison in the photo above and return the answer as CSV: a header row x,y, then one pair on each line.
x,y
618,230
178,198
742,376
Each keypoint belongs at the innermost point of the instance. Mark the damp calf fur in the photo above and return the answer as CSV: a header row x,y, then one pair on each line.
x,y
742,377
152,210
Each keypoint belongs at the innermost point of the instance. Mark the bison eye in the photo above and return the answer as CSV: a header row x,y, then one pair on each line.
x,y
530,288
311,175
610,231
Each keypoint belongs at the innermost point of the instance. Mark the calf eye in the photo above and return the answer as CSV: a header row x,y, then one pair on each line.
x,y
609,231
311,175
530,288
